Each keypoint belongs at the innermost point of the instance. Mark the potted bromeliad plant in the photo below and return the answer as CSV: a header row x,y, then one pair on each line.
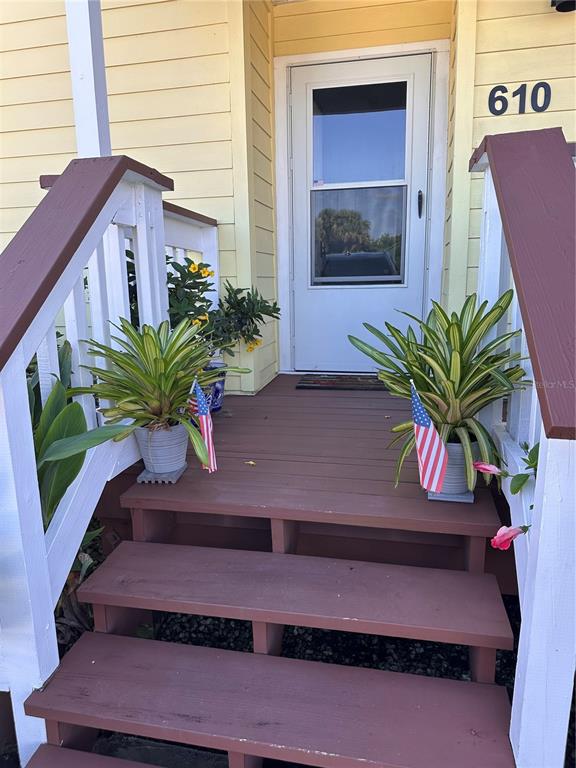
x,y
238,317
148,379
457,371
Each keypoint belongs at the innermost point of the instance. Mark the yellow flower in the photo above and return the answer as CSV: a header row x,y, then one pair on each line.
x,y
205,272
250,348
196,321
203,317
193,267
211,273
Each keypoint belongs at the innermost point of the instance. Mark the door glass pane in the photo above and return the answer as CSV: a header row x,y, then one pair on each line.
x,y
358,235
359,133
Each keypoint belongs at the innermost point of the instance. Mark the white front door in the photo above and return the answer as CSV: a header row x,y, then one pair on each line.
x,y
360,165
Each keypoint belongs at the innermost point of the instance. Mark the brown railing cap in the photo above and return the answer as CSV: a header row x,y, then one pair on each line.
x,y
39,252
186,213
535,183
47,181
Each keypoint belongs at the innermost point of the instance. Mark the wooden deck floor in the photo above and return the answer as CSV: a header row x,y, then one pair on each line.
x,y
319,457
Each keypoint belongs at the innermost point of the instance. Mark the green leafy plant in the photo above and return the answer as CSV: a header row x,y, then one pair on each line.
x,y
61,439
53,425
519,480
148,380
455,372
188,288
240,315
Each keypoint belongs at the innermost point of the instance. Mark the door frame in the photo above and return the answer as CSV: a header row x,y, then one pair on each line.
x,y
437,171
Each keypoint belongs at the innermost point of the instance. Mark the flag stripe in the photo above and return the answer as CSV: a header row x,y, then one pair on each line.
x,y
431,451
200,407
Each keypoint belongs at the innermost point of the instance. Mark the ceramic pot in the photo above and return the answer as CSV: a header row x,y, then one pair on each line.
x,y
163,450
217,388
455,478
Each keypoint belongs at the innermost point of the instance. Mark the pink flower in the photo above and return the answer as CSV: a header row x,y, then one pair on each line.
x,y
487,469
505,536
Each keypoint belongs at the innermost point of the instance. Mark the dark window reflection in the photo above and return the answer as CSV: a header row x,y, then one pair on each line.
x,y
358,235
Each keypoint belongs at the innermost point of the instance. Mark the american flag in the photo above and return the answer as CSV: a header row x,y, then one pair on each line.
x,y
199,404
432,453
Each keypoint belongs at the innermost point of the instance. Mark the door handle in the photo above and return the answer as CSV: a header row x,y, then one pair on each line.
x,y
420,203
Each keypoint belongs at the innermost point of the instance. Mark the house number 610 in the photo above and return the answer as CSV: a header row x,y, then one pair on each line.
x,y
540,97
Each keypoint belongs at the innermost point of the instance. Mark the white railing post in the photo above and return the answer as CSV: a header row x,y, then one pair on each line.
x,y
546,653
29,643
150,256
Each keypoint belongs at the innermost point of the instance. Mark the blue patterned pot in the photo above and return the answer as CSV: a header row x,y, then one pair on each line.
x,y
217,389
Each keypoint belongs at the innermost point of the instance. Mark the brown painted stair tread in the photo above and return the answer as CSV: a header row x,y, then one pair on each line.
x,y
312,713
200,492
48,756
401,601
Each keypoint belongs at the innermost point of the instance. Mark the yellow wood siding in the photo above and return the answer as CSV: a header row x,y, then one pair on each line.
x,y
519,42
190,93
309,26
190,86
462,62
36,116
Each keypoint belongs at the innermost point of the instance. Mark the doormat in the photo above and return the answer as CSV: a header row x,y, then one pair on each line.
x,y
340,381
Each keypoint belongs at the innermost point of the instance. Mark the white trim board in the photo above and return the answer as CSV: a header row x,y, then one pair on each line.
x,y
440,50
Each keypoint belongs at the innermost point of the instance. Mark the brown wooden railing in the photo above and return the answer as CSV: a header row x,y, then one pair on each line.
x,y
535,183
527,242
38,254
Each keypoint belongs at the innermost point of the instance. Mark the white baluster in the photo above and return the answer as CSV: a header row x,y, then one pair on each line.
x,y
150,256
116,274
76,331
210,254
48,365
98,296
179,255
492,274
491,245
520,404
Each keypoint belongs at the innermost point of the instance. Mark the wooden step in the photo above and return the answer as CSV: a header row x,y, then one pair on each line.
x,y
393,600
200,492
49,756
306,712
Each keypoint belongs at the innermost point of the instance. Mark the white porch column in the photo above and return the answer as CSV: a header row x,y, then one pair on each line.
x,y
88,74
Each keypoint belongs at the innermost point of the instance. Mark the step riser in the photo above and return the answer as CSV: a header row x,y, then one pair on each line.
x,y
124,619
77,737
71,734
267,637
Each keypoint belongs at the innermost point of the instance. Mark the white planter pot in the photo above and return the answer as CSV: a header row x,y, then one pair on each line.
x,y
455,478
163,450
